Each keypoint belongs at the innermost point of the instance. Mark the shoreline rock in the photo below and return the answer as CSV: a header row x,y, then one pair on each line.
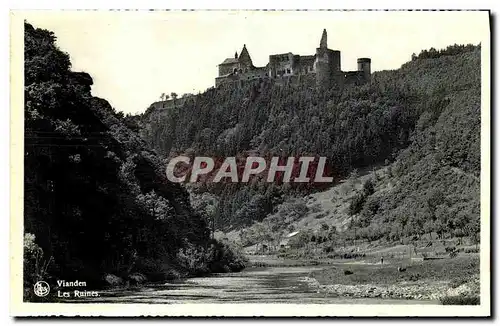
x,y
405,290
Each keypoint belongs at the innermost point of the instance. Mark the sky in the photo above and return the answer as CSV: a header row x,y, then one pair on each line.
x,y
135,56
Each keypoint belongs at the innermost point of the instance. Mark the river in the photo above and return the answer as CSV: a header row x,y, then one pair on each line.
x,y
252,285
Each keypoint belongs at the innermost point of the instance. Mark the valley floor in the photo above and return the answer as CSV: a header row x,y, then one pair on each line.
x,y
273,279
368,278
287,285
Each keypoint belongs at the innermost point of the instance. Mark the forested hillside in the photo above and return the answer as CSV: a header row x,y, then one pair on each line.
x,y
97,201
433,186
423,119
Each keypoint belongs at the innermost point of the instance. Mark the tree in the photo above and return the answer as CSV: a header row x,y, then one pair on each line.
x,y
472,230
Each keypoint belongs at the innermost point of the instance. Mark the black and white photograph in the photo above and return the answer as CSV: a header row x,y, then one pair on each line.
x,y
252,162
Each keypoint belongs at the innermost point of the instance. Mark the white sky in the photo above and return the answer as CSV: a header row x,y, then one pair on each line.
x,y
133,57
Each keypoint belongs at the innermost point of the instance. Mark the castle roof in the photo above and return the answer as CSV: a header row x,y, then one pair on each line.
x,y
245,56
244,52
226,75
229,61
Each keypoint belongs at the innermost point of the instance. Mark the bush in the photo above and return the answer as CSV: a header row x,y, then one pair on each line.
x,y
450,249
368,187
225,258
218,257
320,215
458,281
356,203
415,277
193,259
157,269
328,249
35,265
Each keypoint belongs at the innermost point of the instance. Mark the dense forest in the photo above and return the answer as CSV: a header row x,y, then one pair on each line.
x,y
434,182
97,204
422,121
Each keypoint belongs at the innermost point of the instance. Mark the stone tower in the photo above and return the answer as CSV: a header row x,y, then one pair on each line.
x,y
327,63
364,65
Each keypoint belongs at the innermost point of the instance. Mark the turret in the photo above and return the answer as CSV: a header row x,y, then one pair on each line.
x,y
364,65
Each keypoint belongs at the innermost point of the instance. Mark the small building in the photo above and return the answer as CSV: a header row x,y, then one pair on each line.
x,y
287,242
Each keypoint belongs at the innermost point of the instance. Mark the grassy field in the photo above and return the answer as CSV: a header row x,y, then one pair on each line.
x,y
453,270
451,280
445,280
275,261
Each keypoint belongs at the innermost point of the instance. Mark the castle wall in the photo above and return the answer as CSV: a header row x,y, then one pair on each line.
x,y
281,65
251,74
225,69
354,77
171,103
324,67
294,80
234,68
336,61
338,79
306,64
226,80
255,73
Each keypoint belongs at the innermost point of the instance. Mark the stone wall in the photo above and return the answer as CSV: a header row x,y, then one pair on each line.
x,y
169,103
306,64
250,74
281,65
226,69
354,77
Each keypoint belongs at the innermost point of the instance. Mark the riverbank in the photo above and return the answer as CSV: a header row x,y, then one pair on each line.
x,y
341,282
272,285
420,280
